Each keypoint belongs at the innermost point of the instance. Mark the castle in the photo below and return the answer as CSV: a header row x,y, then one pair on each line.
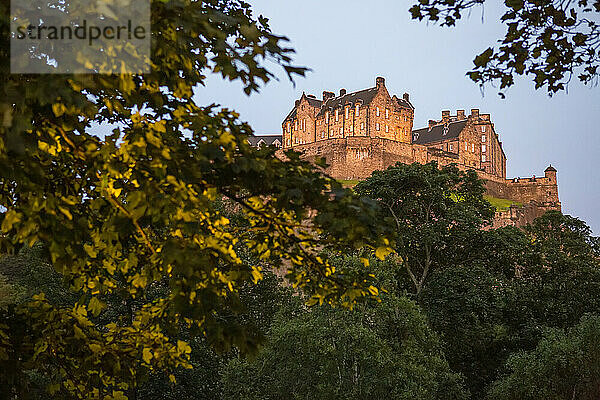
x,y
358,133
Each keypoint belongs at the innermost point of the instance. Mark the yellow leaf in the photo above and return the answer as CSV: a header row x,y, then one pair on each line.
x,y
172,378
94,347
147,355
183,347
59,109
373,290
10,218
90,250
364,261
66,212
382,251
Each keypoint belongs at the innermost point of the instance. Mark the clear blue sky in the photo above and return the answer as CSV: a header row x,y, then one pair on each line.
x,y
348,43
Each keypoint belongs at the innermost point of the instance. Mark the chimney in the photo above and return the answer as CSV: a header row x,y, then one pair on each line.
x,y
432,123
475,112
460,114
297,103
380,81
405,96
445,116
486,117
342,92
327,95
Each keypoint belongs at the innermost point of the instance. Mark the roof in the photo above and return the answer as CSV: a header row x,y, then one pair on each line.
x,y
267,140
362,96
550,169
438,132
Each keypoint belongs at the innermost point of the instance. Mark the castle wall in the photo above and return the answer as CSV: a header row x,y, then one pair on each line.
x,y
355,158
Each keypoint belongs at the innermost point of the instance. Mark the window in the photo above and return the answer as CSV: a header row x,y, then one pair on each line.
x,y
377,126
341,131
472,147
483,128
483,138
296,125
362,126
323,134
352,128
387,129
387,113
347,112
483,148
288,127
357,110
304,124
466,146
450,146
483,158
377,111
337,115
327,117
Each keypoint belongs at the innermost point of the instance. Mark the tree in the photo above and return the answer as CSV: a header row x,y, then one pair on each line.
x,y
436,213
547,40
565,365
136,209
380,350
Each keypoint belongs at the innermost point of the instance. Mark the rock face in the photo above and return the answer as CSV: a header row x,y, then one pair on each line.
x,y
358,133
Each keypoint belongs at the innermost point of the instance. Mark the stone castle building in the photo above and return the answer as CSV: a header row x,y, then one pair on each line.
x,y
358,133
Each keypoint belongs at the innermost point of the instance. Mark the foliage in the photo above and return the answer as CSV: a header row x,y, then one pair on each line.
x,y
565,365
380,350
547,40
501,204
134,212
514,286
436,212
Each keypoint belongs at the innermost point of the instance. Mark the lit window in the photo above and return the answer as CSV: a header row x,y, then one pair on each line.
x,y
387,113
483,158
357,110
483,138
377,111
337,115
483,148
377,126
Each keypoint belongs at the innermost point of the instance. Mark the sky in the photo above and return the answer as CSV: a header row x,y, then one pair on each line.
x,y
348,43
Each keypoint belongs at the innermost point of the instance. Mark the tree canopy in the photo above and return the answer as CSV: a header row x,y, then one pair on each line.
x,y
549,41
123,213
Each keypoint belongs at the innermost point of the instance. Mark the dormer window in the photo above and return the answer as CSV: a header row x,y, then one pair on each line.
x,y
377,111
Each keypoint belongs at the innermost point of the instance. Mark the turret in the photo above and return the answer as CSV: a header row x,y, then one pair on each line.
x,y
550,173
